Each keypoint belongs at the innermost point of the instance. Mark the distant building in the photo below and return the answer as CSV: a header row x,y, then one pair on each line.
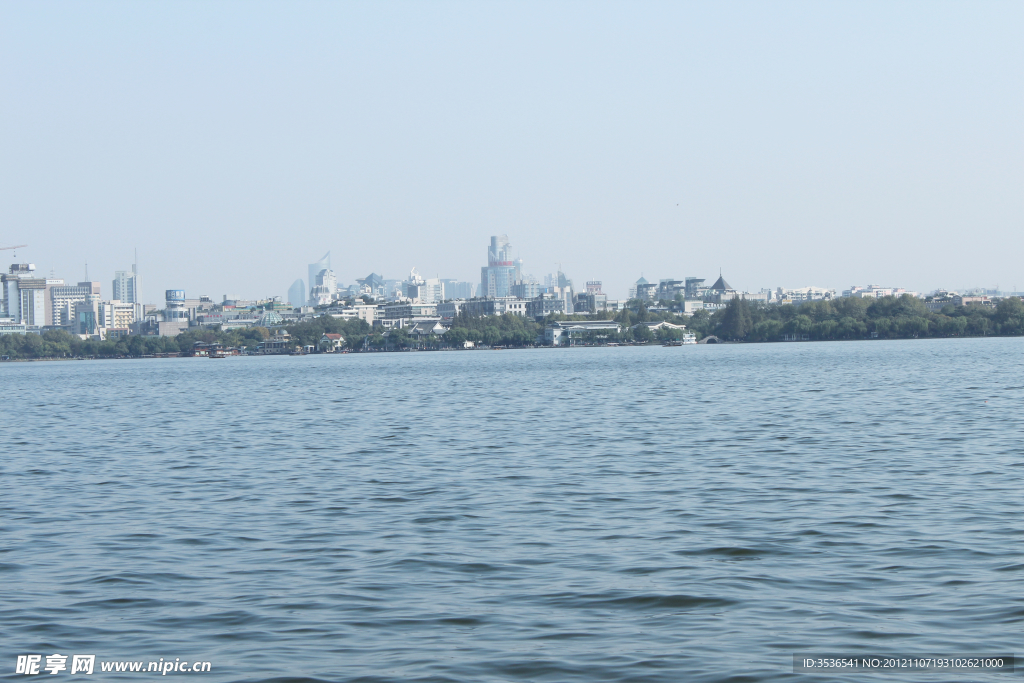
x,y
454,289
314,270
654,327
409,310
543,305
24,296
63,297
527,288
280,343
360,310
590,302
125,287
450,309
645,291
875,292
117,314
324,286
634,291
692,306
694,288
424,291
498,276
668,288
495,306
331,342
372,285
566,333
720,291
9,326
297,293
802,294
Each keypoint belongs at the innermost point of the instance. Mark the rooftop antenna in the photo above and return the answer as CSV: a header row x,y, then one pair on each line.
x,y
86,271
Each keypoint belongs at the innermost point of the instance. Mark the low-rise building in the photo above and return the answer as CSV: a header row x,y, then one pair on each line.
x,y
409,309
691,306
450,309
331,342
569,332
280,343
545,304
661,325
8,325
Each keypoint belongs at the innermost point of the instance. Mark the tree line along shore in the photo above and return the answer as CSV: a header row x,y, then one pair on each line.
x,y
905,317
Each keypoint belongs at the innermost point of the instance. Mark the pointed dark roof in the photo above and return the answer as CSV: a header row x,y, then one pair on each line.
x,y
721,285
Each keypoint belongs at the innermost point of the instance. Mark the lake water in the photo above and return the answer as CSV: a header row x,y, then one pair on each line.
x,y
645,514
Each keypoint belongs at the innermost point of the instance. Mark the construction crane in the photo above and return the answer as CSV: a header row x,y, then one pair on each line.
x,y
19,246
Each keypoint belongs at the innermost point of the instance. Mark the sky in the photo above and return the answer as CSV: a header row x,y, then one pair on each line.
x,y
785,144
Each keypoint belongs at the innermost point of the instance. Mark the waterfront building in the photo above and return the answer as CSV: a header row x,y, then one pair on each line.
x,y
331,342
280,343
661,325
567,333
498,276
427,328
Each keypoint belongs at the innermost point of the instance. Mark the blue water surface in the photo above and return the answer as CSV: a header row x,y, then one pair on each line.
x,y
611,514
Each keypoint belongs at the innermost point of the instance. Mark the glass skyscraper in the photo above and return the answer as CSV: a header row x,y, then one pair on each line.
x,y
498,276
314,270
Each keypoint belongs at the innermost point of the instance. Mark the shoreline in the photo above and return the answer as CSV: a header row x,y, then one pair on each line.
x,y
511,348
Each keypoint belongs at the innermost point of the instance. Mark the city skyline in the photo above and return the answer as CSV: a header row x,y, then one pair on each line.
x,y
789,145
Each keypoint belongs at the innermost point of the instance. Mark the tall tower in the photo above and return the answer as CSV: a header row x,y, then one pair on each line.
x,y
497,277
314,270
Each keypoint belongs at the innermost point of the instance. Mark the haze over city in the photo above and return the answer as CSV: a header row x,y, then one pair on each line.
x,y
789,144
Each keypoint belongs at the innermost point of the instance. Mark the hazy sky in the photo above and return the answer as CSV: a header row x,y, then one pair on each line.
x,y
790,144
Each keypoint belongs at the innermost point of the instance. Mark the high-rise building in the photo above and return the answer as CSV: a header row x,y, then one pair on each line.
x,y
498,276
125,286
454,289
424,291
325,284
314,270
24,296
63,297
297,293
